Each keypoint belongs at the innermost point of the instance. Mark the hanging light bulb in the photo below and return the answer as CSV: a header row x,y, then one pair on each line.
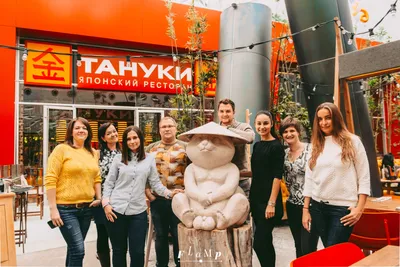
x,y
215,58
78,60
393,9
315,88
309,97
128,61
333,98
290,40
371,34
25,55
174,58
343,30
350,41
315,27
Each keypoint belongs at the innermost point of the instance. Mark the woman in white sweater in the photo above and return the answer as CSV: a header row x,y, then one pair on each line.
x,y
337,179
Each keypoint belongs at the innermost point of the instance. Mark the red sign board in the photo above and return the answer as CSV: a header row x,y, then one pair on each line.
x,y
155,75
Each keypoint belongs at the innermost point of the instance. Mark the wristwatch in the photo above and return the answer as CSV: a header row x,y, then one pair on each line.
x,y
168,196
270,203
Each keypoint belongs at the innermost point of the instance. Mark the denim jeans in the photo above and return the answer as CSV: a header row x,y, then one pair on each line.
x,y
76,225
325,222
124,229
165,222
304,241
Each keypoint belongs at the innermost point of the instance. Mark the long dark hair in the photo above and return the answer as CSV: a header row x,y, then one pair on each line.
x,y
69,139
103,144
126,151
269,114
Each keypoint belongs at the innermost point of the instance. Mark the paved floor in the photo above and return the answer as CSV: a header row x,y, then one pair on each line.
x,y
46,247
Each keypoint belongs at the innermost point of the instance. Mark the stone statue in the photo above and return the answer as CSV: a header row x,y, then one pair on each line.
x,y
212,197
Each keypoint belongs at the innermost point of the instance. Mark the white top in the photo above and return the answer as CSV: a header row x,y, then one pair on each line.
x,y
337,182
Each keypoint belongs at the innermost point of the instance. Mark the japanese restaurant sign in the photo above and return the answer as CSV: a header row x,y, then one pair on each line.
x,y
47,68
155,74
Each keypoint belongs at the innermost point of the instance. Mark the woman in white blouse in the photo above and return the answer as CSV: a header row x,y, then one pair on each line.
x,y
337,180
124,200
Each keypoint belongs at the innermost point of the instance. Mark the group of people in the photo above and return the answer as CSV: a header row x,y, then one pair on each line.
x,y
328,181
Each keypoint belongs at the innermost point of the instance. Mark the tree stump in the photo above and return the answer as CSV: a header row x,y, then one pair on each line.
x,y
218,248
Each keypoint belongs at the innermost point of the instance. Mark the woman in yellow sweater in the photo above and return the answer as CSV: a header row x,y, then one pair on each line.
x,y
72,180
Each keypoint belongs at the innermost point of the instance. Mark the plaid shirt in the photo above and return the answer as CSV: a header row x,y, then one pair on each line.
x,y
171,161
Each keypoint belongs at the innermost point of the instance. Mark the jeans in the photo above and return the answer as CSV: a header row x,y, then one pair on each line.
x,y
124,229
304,241
76,225
325,222
165,222
263,245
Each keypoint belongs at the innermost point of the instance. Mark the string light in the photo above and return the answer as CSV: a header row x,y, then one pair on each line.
x,y
174,58
251,46
393,9
25,55
290,40
215,58
350,41
128,61
78,60
315,88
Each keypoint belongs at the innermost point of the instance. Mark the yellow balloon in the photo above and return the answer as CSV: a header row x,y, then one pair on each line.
x,y
365,16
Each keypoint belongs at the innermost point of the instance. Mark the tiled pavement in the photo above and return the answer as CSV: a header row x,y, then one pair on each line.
x,y
46,247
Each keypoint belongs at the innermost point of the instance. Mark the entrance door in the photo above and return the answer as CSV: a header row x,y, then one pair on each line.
x,y
55,121
148,122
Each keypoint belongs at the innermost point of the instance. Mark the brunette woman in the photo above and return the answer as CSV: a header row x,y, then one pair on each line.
x,y
265,192
337,179
109,147
72,180
296,157
124,199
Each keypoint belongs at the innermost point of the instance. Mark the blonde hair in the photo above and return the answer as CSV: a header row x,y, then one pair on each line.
x,y
340,133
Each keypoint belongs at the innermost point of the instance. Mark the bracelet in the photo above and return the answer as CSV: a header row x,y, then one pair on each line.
x,y
270,203
305,208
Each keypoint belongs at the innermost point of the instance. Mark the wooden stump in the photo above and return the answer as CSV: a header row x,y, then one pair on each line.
x,y
217,248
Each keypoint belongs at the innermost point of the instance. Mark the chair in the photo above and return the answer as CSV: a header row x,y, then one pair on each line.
x,y
343,254
375,230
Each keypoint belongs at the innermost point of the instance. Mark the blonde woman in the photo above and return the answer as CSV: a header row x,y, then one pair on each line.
x,y
337,178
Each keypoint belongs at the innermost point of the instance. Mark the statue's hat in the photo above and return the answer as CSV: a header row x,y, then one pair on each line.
x,y
212,128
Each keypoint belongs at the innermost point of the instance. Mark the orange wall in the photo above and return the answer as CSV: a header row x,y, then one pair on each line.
x,y
137,21
140,23
7,86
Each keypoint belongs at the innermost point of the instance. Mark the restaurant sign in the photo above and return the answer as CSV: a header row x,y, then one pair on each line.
x,y
155,74
46,65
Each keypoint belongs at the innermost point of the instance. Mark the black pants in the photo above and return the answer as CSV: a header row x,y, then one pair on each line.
x,y
102,239
263,245
304,241
132,228
325,222
165,222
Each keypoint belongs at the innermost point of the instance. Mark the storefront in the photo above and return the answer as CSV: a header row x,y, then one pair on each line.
x,y
100,85
77,67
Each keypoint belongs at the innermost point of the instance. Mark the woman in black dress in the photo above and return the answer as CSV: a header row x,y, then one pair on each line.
x,y
265,193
